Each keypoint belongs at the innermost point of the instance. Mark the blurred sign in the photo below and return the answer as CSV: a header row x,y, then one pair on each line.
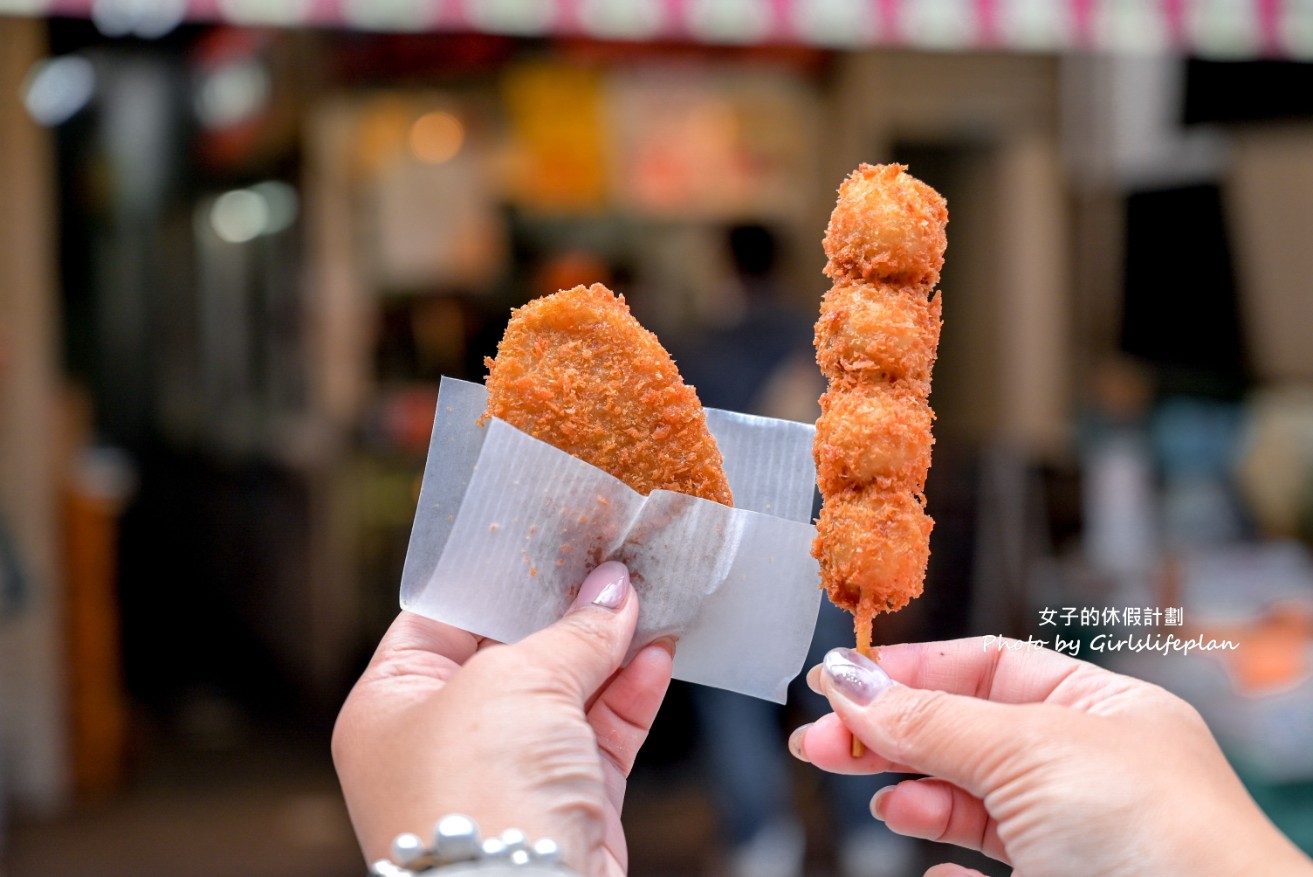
x,y
558,157
431,213
708,143
1208,28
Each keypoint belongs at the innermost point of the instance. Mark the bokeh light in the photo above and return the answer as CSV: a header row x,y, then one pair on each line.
x,y
436,137
148,19
240,216
232,93
282,203
57,88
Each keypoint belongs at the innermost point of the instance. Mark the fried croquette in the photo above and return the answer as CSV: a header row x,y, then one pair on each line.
x,y
876,342
576,370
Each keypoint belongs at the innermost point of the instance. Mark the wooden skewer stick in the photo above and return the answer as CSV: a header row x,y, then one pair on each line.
x,y
863,649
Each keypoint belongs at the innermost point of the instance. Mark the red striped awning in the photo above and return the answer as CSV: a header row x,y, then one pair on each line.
x,y
1208,28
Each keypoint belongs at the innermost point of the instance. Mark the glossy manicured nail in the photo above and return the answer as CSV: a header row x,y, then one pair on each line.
x,y
855,676
795,741
607,586
878,802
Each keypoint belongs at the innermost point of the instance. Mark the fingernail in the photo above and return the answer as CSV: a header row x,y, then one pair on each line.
x,y
795,741
607,586
667,643
854,675
878,802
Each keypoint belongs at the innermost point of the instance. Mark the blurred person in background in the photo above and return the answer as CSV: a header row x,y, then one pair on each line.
x,y
760,359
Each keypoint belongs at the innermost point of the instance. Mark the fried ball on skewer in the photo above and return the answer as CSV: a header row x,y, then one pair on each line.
x,y
887,227
875,552
870,331
873,435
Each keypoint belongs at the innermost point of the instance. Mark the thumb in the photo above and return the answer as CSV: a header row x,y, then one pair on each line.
x,y
931,732
585,647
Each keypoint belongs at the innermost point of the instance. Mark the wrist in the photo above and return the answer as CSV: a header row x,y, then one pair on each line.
x,y
1278,856
1246,843
456,847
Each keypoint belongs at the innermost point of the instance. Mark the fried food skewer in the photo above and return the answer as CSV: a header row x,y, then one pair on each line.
x,y
876,342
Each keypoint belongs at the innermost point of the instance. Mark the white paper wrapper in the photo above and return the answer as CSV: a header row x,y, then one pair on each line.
x,y
508,526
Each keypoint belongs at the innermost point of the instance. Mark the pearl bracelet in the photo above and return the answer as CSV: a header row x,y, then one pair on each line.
x,y
457,845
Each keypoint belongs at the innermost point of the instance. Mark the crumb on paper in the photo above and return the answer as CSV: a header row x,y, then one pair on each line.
x,y
533,571
492,528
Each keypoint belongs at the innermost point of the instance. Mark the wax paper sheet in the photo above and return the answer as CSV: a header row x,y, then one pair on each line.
x,y
508,526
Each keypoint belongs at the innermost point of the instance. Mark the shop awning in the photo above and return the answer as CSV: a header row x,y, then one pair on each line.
x,y
1207,28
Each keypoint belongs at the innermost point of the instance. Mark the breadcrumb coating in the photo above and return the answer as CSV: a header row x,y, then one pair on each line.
x,y
887,227
869,332
576,370
880,550
877,434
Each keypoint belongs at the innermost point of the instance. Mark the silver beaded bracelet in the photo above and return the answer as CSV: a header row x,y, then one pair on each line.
x,y
458,847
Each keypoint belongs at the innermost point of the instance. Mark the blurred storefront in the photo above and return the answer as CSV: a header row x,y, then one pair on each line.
x,y
242,240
